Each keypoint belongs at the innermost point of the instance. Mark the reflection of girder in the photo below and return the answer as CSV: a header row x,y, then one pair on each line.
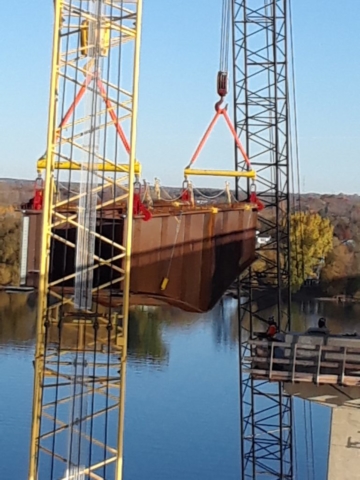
x,y
80,361
261,113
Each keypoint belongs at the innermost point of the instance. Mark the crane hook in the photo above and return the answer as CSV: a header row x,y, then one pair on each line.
x,y
222,88
218,104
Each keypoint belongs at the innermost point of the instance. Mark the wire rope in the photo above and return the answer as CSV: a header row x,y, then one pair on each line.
x,y
86,282
295,133
225,36
209,197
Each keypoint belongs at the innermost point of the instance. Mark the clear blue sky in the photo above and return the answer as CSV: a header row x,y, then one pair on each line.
x,y
180,53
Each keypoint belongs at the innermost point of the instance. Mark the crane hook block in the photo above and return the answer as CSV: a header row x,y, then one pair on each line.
x,y
222,83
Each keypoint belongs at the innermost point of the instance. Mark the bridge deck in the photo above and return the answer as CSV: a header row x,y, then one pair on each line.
x,y
330,360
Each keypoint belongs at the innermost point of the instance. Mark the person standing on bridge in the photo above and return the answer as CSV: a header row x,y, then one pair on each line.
x,y
271,331
320,329
322,325
272,328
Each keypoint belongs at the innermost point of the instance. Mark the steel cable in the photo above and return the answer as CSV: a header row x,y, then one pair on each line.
x,y
225,36
297,204
88,205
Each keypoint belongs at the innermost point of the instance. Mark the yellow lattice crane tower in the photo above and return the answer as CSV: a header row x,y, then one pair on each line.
x,y
84,201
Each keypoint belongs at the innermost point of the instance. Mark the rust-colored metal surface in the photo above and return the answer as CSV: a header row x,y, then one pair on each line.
x,y
201,253
199,250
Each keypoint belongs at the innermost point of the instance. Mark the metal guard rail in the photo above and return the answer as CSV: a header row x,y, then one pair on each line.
x,y
297,362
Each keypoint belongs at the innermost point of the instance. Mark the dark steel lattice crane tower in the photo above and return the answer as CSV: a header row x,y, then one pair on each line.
x,y
261,108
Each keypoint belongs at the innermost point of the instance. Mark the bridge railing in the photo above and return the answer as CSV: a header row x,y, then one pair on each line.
x,y
303,362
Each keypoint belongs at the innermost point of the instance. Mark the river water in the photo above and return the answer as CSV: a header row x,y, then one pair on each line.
x,y
182,397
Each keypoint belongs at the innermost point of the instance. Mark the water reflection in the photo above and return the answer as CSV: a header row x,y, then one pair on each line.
x,y
145,337
17,336
182,390
340,318
147,326
225,324
17,320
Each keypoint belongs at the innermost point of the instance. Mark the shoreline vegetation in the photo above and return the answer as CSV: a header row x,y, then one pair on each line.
x,y
10,231
325,242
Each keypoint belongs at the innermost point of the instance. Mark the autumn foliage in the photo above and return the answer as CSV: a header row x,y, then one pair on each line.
x,y
311,239
10,222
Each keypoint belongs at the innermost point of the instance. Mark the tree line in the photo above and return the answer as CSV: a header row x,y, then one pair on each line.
x,y
324,254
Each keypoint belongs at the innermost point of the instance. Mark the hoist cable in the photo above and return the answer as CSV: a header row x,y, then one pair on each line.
x,y
297,154
270,48
88,219
294,134
225,36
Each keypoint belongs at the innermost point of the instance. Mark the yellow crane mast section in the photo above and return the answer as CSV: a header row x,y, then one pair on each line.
x,y
87,56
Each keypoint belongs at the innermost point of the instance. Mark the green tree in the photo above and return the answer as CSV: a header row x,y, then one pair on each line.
x,y
311,239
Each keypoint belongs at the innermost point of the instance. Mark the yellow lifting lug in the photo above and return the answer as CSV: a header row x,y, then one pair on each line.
x,y
214,210
104,40
221,173
84,37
